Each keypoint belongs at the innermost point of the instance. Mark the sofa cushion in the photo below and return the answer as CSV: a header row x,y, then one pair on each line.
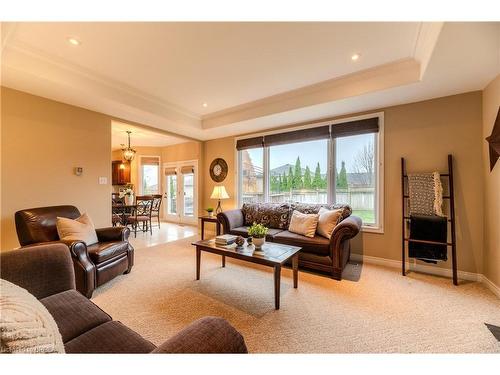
x,y
74,313
311,208
272,215
102,251
25,324
110,337
316,245
243,231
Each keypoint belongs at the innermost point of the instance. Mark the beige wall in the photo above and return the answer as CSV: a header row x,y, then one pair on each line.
x,y
491,103
220,148
424,133
42,141
182,152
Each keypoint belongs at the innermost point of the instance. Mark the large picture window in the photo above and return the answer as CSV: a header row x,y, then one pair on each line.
x,y
337,163
355,182
150,170
298,172
252,175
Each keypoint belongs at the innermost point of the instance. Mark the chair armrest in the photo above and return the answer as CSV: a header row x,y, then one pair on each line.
x,y
84,268
231,219
43,269
206,335
113,234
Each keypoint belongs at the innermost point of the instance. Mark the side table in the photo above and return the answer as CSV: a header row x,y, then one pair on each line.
x,y
210,219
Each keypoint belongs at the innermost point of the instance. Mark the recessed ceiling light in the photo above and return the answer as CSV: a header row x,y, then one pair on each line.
x,y
355,57
74,41
205,105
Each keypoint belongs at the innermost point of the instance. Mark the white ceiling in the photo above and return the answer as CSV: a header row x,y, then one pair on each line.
x,y
253,76
139,136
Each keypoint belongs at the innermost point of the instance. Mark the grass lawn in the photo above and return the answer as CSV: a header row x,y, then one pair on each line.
x,y
368,216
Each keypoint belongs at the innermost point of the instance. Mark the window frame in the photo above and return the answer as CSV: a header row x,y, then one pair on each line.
x,y
378,227
140,173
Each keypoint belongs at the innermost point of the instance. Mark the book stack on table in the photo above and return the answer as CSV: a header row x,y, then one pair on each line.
x,y
225,239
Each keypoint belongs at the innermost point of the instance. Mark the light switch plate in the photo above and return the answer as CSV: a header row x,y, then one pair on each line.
x,y
103,180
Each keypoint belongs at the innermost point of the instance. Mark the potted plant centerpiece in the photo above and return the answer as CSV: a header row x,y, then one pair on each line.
x,y
258,233
210,211
128,194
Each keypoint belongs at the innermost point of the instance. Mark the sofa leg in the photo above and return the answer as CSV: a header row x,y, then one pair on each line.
x,y
337,274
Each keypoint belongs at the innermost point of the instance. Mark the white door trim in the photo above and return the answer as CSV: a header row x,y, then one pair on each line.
x,y
180,218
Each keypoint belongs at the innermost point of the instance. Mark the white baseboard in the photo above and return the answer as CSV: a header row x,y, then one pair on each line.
x,y
445,272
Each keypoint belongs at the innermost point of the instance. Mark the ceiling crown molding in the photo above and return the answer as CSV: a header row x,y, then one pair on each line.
x,y
117,98
427,37
381,77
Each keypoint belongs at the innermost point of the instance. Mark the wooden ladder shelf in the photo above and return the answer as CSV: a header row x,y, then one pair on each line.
x,y
451,217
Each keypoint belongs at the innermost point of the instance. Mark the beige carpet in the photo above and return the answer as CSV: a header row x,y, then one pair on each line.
x,y
374,310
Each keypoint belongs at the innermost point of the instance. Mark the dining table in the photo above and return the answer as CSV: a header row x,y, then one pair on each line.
x,y
123,210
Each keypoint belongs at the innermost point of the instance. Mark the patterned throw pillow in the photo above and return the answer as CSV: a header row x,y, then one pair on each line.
x,y
272,215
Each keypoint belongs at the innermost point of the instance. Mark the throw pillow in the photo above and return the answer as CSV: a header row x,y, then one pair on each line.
x,y
304,224
328,220
80,229
26,326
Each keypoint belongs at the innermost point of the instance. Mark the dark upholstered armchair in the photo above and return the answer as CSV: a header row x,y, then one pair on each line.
x,y
94,265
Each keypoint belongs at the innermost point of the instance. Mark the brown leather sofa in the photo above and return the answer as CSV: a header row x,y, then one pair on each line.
x,y
318,253
46,271
94,265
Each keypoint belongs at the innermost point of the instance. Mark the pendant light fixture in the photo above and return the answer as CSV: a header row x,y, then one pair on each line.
x,y
128,152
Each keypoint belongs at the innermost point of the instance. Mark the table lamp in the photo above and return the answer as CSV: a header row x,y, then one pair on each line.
x,y
219,193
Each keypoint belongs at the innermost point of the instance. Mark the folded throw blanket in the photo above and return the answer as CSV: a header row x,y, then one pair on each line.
x,y
428,228
426,194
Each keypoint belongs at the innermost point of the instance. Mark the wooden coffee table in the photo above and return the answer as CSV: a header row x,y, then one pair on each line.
x,y
273,255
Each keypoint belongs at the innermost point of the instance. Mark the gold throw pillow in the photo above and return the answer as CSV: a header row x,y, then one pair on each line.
x,y
328,220
304,224
80,229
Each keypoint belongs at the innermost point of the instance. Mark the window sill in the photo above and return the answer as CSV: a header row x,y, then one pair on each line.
x,y
376,230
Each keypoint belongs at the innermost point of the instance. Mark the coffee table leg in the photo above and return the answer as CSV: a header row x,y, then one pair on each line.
x,y
223,261
295,266
277,279
198,261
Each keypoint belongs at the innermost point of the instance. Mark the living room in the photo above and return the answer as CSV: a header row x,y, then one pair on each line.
x,y
311,200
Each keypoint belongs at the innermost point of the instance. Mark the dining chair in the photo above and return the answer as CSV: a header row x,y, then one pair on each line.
x,y
155,211
117,213
142,214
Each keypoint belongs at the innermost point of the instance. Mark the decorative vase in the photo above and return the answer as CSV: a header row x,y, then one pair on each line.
x,y
129,199
211,214
259,242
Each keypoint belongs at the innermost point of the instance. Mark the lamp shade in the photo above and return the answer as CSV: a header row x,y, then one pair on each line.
x,y
219,193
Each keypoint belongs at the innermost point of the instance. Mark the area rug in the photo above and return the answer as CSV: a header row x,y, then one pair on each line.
x,y
373,310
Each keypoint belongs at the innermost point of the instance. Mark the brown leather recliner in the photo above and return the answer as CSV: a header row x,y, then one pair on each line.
x,y
94,265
